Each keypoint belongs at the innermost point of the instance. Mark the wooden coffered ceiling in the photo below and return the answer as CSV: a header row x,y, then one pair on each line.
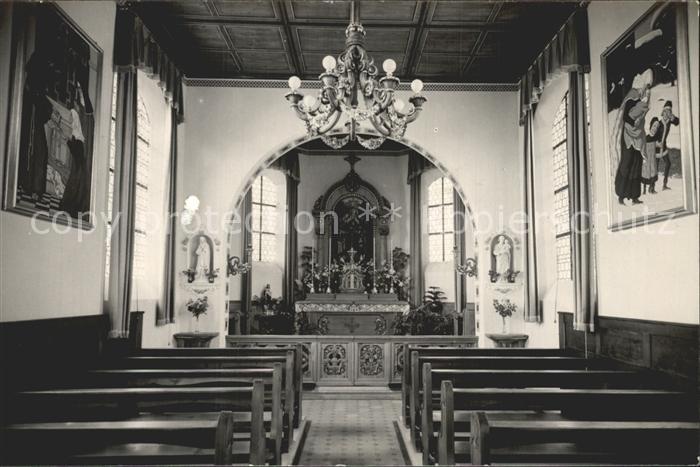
x,y
435,40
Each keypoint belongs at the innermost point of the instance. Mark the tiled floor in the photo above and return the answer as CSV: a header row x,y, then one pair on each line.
x,y
351,432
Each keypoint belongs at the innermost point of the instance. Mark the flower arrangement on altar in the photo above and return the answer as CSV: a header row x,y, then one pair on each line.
x,y
390,277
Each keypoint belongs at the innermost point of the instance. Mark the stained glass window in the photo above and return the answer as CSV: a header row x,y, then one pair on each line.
x,y
560,177
440,220
264,219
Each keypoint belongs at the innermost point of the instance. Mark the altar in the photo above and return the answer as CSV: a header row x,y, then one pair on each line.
x,y
352,313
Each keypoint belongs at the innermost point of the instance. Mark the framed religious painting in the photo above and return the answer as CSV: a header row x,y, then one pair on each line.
x,y
648,126
55,88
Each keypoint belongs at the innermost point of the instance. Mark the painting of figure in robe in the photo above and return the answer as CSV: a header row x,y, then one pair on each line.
x,y
645,76
56,82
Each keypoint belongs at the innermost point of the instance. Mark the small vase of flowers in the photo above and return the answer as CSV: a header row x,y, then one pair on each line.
x,y
505,308
197,307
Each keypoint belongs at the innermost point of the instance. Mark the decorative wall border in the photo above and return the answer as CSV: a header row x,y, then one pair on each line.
x,y
282,84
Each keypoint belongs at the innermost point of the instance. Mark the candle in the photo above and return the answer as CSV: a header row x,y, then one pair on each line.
x,y
313,290
330,244
391,254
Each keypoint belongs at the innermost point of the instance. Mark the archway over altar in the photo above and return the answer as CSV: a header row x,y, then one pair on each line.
x,y
346,203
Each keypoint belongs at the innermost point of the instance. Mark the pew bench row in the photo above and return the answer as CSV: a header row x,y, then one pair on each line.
x,y
546,407
162,406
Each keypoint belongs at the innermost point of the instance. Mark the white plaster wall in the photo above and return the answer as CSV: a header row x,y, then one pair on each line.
x,y
231,131
57,275
644,273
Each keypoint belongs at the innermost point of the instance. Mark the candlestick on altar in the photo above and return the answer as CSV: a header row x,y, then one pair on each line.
x,y
330,245
374,264
313,276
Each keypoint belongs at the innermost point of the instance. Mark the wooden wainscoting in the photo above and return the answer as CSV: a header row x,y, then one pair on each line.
x,y
671,348
40,350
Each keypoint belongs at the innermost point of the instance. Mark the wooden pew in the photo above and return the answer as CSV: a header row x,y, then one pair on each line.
x,y
467,361
202,441
430,386
292,388
636,405
174,403
280,428
494,439
451,351
244,351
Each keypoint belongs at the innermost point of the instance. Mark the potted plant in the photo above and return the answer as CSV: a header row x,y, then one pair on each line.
x,y
506,309
198,307
427,319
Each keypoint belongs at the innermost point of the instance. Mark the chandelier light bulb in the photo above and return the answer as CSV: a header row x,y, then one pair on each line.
x,y
192,203
389,66
399,105
294,83
328,63
309,102
417,86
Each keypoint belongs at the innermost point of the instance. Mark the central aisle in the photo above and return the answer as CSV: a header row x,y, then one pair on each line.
x,y
352,432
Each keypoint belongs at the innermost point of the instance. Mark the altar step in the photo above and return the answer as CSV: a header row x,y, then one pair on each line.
x,y
352,393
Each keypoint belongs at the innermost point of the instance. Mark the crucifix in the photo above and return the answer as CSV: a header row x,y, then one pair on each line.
x,y
352,252
351,325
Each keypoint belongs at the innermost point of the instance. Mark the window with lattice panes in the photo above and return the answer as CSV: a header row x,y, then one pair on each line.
x,y
440,220
110,181
143,165
264,219
560,176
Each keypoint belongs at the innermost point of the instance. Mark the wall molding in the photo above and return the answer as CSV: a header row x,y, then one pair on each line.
x,y
282,84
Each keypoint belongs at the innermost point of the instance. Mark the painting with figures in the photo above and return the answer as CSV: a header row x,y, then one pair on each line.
x,y
56,70
645,82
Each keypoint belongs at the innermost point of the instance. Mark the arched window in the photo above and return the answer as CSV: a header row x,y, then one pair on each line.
x,y
264,219
561,191
440,220
143,163
143,166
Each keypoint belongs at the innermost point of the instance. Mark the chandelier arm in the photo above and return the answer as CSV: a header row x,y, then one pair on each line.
x,y
330,93
300,113
379,126
382,99
410,118
330,123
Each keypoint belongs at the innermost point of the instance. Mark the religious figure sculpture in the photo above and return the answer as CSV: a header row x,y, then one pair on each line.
x,y
202,256
502,252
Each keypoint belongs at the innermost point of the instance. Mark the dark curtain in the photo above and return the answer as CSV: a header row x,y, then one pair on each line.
x,y
123,205
166,312
567,52
246,242
136,48
289,164
460,223
417,164
533,306
582,228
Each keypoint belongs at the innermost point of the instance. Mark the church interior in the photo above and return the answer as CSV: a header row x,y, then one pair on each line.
x,y
334,232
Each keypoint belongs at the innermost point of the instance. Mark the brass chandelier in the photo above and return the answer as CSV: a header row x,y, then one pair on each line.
x,y
353,93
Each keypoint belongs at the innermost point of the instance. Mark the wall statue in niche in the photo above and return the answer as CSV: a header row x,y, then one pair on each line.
x,y
201,273
502,252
